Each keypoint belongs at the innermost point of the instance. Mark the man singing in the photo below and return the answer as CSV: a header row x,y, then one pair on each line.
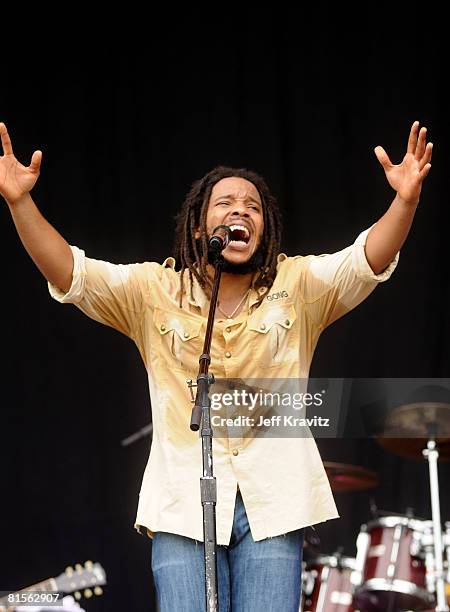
x,y
268,489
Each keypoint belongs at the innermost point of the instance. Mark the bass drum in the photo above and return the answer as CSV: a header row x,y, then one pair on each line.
x,y
391,568
326,584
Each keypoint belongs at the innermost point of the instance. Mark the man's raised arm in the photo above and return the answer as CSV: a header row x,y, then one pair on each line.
x,y
388,235
47,248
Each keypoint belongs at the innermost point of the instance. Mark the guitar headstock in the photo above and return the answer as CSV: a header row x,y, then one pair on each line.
x,y
88,579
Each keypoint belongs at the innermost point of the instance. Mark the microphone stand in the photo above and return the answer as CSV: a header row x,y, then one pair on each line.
x,y
201,414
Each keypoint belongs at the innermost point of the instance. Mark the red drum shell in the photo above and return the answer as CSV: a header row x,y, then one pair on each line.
x,y
393,574
330,587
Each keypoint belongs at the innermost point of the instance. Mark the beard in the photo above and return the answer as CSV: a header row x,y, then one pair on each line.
x,y
253,264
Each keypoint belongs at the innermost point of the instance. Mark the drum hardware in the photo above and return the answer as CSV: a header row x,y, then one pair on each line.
x,y
390,572
428,551
447,551
420,421
326,584
399,563
393,569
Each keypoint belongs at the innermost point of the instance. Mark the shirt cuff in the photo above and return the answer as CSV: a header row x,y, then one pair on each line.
x,y
361,265
76,291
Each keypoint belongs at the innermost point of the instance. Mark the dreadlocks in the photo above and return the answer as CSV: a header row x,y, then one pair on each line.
x,y
192,252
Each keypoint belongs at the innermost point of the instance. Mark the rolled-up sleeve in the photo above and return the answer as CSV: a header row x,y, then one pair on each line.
x,y
361,265
76,291
112,294
333,284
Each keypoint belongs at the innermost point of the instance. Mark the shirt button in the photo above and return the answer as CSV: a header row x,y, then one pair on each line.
x,y
186,334
287,322
235,452
228,329
163,328
263,327
228,354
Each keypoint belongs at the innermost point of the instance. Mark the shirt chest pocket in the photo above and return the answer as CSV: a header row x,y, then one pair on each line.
x,y
179,337
274,335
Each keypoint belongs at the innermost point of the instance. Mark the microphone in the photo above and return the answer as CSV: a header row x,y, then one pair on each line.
x,y
220,239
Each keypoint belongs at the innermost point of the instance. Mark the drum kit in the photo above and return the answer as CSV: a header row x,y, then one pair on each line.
x,y
402,563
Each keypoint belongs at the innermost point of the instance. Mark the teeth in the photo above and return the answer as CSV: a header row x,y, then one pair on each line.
x,y
240,227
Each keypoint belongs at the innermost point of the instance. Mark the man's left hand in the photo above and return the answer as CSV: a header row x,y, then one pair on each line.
x,y
407,177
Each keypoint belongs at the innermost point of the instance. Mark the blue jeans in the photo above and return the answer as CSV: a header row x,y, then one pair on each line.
x,y
252,576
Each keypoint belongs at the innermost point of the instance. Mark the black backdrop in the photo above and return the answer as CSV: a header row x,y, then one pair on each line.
x,y
125,127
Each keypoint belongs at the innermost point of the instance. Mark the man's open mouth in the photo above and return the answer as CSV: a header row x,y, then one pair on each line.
x,y
239,234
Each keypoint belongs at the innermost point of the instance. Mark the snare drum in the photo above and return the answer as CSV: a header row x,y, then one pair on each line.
x,y
326,584
391,571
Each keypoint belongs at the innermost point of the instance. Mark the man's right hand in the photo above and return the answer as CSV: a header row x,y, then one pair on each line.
x,y
16,180
45,245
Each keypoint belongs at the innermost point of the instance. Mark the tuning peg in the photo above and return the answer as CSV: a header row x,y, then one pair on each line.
x,y
79,567
89,565
77,595
69,570
98,590
88,593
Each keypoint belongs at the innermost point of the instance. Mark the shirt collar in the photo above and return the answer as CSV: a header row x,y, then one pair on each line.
x,y
169,262
197,297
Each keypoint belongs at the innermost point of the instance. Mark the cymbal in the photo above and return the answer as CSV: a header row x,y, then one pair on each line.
x,y
345,477
411,448
418,420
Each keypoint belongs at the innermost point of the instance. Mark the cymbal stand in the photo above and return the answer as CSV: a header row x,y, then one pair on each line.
x,y
431,453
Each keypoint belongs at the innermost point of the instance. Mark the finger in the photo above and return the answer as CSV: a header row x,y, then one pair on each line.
x,y
6,141
412,140
427,156
35,161
382,157
421,143
425,171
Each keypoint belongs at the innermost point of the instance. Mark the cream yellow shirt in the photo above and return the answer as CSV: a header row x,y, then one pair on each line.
x,y
282,480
